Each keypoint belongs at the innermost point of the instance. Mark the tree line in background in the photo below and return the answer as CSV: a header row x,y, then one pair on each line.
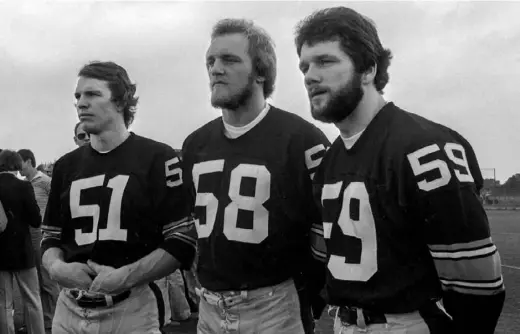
x,y
495,193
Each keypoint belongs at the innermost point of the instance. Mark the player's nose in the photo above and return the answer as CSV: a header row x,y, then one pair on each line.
x,y
217,68
311,76
82,103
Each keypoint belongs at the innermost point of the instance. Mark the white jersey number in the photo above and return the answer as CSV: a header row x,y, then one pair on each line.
x,y
238,202
361,227
173,172
463,174
113,231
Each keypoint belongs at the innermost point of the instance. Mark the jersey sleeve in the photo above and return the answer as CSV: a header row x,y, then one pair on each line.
x,y
52,223
444,179
172,208
316,145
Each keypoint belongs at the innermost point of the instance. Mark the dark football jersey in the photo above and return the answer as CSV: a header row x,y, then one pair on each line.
x,y
401,216
116,207
253,203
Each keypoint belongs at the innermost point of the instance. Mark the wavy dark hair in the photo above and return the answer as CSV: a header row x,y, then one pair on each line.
x,y
10,161
261,48
356,34
122,89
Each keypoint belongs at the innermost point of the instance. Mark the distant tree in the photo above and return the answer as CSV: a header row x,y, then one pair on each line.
x,y
513,182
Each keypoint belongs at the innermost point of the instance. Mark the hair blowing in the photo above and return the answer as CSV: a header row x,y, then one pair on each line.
x,y
122,89
260,49
356,34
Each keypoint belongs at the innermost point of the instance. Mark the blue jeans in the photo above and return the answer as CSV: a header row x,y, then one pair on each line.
x,y
269,310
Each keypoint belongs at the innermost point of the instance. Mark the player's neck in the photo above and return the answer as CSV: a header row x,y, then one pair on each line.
x,y
31,174
245,113
109,139
366,110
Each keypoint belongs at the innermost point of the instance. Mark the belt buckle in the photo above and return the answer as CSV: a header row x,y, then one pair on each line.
x,y
234,299
80,295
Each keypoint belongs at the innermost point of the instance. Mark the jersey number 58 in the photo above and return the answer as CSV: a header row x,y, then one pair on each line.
x,y
253,204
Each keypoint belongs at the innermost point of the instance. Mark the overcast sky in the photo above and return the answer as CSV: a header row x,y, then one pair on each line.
x,y
457,63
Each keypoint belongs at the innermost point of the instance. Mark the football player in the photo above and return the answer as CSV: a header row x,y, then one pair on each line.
x,y
116,219
251,171
403,228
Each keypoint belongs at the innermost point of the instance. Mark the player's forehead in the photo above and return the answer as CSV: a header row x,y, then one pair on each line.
x,y
234,44
85,84
317,50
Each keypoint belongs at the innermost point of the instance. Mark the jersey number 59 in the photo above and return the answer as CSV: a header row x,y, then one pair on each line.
x,y
419,168
362,227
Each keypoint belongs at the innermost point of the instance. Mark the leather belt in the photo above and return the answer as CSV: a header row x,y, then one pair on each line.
x,y
87,301
360,317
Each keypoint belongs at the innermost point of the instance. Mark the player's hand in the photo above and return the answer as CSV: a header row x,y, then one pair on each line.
x,y
72,275
109,280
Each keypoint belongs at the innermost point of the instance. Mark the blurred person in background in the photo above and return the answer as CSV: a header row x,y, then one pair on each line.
x,y
42,186
81,137
16,252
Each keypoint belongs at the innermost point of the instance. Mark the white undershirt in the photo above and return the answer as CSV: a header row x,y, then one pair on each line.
x,y
350,141
233,132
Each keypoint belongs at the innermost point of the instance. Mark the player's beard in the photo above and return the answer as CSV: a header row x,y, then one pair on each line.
x,y
236,100
342,102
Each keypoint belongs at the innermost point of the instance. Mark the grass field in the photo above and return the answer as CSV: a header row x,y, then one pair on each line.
x,y
505,228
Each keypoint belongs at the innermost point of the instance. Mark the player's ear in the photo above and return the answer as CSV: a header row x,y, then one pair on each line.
x,y
369,75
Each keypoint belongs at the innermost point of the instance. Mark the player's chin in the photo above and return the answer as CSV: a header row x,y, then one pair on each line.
x,y
221,101
320,114
91,127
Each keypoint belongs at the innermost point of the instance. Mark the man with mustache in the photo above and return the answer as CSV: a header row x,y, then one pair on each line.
x,y
251,171
404,237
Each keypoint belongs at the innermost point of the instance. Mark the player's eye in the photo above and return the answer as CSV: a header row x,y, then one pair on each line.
x,y
230,59
324,62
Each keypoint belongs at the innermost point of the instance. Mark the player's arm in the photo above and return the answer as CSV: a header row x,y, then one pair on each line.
x,y
172,214
69,275
457,232
31,211
52,224
316,144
